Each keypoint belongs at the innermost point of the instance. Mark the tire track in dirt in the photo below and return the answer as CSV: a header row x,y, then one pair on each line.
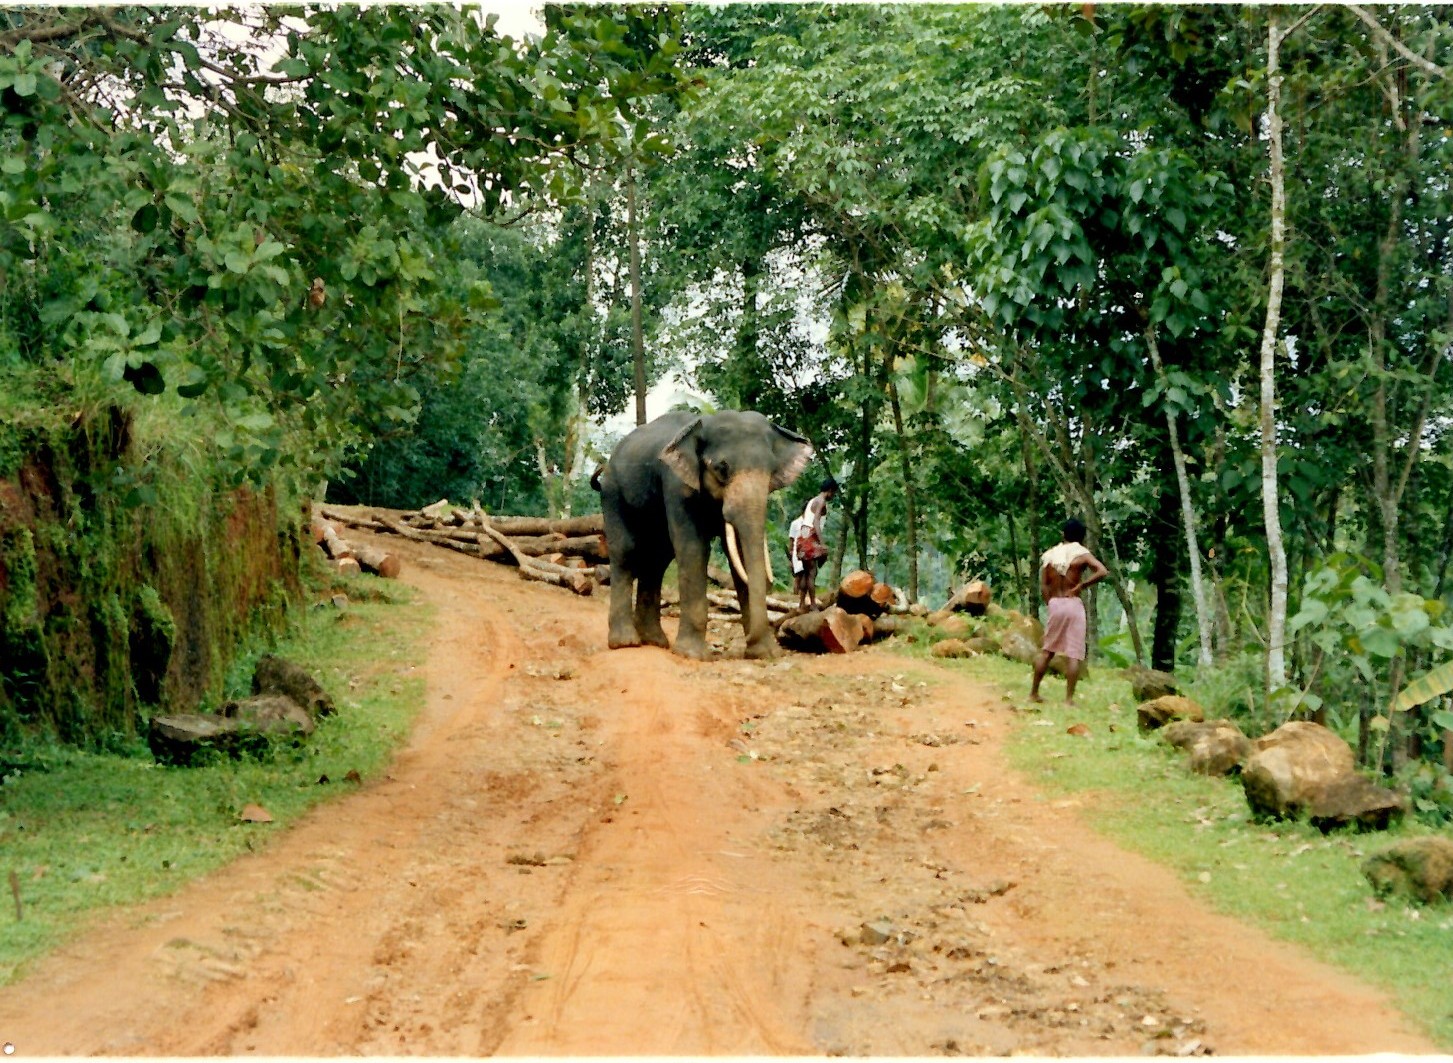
x,y
668,892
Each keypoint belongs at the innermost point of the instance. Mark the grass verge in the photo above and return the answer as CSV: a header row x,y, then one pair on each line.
x,y
85,832
1285,878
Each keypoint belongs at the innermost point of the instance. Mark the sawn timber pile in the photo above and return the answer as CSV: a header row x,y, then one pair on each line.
x,y
565,553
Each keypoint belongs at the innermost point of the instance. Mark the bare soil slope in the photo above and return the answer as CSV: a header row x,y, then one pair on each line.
x,y
585,852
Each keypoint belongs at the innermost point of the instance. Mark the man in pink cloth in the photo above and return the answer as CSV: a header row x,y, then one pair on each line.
x,y
1064,571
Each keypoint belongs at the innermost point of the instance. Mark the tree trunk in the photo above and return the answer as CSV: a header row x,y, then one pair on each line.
x,y
1270,498
1036,540
910,492
638,341
1188,516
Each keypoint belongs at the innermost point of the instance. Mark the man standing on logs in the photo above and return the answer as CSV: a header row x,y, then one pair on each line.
x,y
808,549
1064,571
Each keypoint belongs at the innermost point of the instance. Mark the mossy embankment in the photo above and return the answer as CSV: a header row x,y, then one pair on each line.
x,y
131,573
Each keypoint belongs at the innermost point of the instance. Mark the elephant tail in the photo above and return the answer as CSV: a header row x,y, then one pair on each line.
x,y
595,478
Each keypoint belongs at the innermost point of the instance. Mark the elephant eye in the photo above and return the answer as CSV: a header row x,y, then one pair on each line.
x,y
722,470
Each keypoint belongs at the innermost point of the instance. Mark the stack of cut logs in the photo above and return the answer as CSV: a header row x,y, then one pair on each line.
x,y
348,558
570,552
565,553
857,614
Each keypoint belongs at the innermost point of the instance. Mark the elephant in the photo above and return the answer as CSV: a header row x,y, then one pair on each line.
x,y
671,488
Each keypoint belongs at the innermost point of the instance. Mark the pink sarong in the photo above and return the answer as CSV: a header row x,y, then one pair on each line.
x,y
1065,632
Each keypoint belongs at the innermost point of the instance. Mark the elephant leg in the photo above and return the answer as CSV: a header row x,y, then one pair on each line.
x,y
623,630
648,602
691,556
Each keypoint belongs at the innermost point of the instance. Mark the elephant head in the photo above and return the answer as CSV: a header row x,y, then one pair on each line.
x,y
727,464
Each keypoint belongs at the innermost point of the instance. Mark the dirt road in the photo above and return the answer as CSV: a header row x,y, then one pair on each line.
x,y
592,852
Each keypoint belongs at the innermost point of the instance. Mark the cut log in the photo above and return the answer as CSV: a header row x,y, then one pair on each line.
x,y
531,568
379,562
861,593
885,626
972,598
347,566
587,524
335,546
821,631
866,628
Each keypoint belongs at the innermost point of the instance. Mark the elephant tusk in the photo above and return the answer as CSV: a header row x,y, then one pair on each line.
x,y
767,557
734,554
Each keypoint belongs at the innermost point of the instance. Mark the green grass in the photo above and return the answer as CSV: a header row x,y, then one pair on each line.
x,y
1286,878
84,832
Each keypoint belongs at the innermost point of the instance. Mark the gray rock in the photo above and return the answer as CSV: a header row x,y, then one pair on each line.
x,y
1352,800
1291,766
1147,684
1215,747
1418,869
275,675
1155,714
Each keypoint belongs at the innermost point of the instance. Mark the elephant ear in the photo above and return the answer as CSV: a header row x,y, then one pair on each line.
x,y
793,454
681,458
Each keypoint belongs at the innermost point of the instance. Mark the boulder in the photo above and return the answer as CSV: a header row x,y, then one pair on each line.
x,y
243,728
1419,869
275,675
1354,801
1156,714
1291,765
952,648
274,714
1017,647
982,644
1147,684
1215,747
955,626
1027,626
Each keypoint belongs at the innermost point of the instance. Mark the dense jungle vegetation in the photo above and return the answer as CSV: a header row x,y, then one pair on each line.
x,y
1184,272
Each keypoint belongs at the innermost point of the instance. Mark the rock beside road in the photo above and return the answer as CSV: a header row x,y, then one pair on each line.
x,y
1303,768
1215,747
1418,869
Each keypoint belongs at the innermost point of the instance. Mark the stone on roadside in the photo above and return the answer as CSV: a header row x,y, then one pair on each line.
x,y
1215,747
952,648
1290,766
955,625
878,932
277,675
1418,869
1352,800
1147,684
1155,714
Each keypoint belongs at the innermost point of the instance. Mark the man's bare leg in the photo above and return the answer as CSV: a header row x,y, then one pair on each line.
x,y
1072,676
1041,664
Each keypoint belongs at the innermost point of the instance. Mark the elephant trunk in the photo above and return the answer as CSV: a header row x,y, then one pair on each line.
x,y
745,513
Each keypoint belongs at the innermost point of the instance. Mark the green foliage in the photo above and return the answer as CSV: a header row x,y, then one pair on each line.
x,y
1358,629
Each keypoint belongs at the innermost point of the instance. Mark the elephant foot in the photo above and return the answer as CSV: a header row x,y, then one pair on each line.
x,y
761,651
655,638
695,649
619,640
